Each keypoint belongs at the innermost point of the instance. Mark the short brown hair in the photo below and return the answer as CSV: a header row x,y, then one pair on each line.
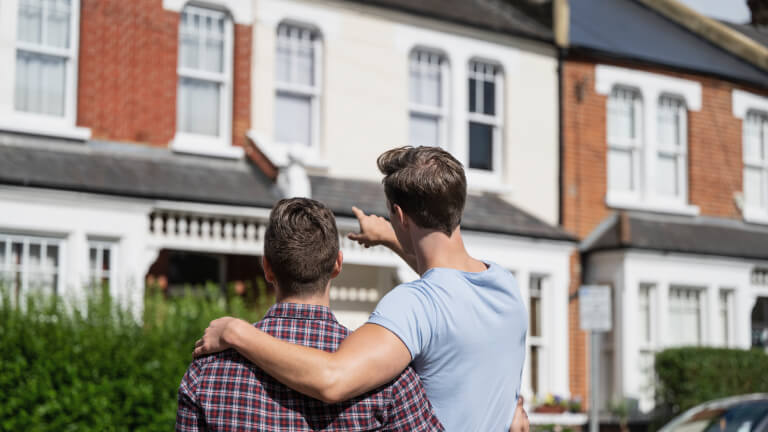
x,y
301,244
427,183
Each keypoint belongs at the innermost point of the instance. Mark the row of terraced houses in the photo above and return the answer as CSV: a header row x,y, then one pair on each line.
x,y
615,142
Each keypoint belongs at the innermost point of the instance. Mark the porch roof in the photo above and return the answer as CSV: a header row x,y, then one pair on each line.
x,y
683,234
486,213
130,170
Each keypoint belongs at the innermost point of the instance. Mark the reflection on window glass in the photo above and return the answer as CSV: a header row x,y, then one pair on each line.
x,y
739,417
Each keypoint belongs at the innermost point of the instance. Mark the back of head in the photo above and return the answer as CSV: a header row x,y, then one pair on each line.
x,y
427,183
301,244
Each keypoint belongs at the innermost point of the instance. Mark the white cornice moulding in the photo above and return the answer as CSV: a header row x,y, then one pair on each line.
x,y
743,102
649,84
241,10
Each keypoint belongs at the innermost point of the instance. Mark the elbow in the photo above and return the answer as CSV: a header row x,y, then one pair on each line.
x,y
332,389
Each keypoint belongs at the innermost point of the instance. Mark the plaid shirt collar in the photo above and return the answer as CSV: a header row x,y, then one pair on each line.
x,y
300,311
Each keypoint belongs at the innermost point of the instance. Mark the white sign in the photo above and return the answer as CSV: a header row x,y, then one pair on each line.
x,y
595,308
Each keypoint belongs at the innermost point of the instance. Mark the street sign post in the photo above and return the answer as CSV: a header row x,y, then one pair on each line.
x,y
595,317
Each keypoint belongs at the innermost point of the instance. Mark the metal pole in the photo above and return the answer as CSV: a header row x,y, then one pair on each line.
x,y
594,378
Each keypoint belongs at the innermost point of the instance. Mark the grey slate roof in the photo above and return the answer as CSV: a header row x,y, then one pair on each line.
x,y
683,234
486,213
493,15
625,29
130,170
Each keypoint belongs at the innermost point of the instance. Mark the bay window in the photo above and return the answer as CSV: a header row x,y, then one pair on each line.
x,y
297,83
428,106
29,264
685,316
101,263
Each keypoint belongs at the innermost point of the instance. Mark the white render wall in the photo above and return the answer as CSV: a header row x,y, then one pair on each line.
x,y
364,102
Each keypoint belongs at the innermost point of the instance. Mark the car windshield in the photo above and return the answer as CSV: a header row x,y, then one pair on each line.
x,y
739,417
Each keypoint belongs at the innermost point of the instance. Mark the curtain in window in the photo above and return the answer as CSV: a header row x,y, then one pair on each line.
x,y
685,316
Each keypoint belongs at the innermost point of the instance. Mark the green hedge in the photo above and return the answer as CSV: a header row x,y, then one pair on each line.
x,y
690,376
96,368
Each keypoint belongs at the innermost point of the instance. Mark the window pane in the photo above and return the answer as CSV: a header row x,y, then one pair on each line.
x,y
644,301
3,244
666,176
724,316
754,195
426,78
35,257
295,63
40,83
754,139
669,119
52,257
480,146
293,119
199,106
93,259
685,316
621,114
214,44
189,39
535,306
105,259
424,130
620,170
57,30
472,95
535,369
30,21
489,98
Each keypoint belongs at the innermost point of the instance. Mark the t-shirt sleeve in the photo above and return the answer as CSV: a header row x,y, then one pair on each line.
x,y
405,311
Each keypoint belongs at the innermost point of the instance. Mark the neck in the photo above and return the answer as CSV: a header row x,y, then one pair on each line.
x,y
435,249
322,299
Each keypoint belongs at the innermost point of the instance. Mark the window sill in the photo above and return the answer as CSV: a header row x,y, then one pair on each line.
x,y
755,216
651,206
205,146
483,181
42,127
280,155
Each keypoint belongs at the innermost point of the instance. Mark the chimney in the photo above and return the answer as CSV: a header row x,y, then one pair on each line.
x,y
759,9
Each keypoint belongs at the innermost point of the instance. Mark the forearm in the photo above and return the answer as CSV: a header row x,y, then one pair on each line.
x,y
306,370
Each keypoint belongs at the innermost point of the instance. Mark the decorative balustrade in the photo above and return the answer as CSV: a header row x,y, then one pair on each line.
x,y
760,276
353,294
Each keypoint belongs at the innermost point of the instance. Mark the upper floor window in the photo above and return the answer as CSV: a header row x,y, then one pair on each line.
x,y
297,84
204,95
671,148
428,107
625,140
484,116
45,58
756,162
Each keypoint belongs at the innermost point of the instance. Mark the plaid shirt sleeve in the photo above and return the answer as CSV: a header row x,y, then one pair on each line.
x,y
189,416
410,410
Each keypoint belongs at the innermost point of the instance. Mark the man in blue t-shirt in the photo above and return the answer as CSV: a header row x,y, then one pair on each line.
x,y
462,325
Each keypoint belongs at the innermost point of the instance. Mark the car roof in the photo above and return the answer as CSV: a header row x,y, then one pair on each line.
x,y
717,403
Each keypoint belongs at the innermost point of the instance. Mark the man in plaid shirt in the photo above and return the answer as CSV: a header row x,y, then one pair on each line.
x,y
225,391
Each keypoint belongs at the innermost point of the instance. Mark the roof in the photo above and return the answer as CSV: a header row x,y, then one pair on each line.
x,y
130,170
682,234
758,34
626,29
493,15
487,213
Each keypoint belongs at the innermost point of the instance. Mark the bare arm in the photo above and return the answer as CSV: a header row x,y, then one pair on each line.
x,y
375,230
368,358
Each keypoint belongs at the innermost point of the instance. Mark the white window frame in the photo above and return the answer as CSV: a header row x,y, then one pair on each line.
x,y
496,121
111,274
633,146
540,342
442,113
648,347
727,294
742,104
680,153
651,87
757,163
24,122
703,310
26,240
314,92
221,145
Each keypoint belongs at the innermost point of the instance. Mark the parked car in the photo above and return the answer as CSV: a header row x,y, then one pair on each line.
x,y
747,413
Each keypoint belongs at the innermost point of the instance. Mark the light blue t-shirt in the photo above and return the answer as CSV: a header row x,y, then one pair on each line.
x,y
466,334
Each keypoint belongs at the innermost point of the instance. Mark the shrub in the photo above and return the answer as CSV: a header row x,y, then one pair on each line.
x,y
96,368
690,376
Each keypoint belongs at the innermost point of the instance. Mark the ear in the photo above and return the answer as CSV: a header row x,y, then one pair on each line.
x,y
337,265
398,212
269,275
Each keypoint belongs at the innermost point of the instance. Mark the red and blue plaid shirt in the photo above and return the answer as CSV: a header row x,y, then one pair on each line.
x,y
226,392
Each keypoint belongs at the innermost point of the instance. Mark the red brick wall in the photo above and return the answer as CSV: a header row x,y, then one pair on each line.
x,y
127,72
714,169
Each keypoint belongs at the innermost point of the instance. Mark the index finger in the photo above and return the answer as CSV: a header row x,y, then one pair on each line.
x,y
358,213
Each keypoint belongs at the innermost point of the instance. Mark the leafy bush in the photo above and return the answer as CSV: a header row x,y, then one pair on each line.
x,y
690,376
97,368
